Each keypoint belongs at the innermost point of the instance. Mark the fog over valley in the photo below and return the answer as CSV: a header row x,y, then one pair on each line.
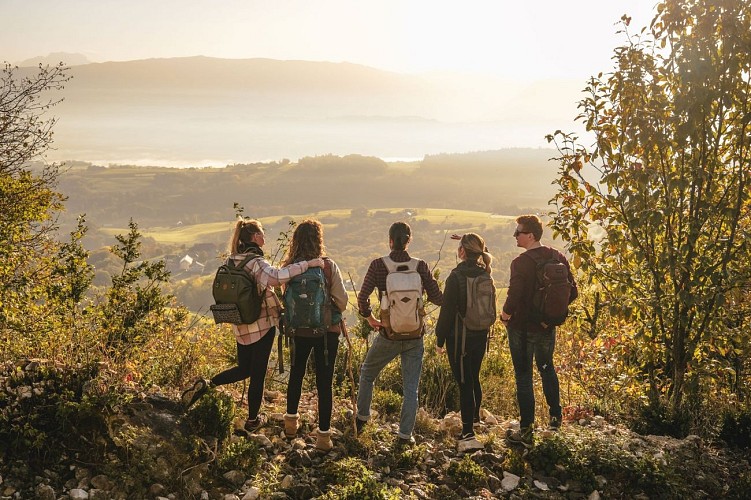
x,y
200,111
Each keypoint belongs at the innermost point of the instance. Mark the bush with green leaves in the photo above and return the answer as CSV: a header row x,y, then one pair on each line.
x,y
407,457
387,402
212,415
467,473
44,408
242,454
350,478
736,428
584,455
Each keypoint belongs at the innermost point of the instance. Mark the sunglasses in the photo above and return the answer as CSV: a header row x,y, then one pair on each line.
x,y
517,233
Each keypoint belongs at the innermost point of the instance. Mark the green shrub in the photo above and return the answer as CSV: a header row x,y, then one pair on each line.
x,y
736,429
343,471
387,402
513,461
548,453
656,418
407,457
467,473
243,454
439,393
365,488
212,415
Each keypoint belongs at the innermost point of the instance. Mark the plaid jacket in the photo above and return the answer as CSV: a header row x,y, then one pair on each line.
x,y
267,277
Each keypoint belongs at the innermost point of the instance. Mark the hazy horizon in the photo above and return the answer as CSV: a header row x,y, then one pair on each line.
x,y
446,77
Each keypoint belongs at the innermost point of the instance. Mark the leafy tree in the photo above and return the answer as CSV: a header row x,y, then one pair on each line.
x,y
656,212
28,202
136,304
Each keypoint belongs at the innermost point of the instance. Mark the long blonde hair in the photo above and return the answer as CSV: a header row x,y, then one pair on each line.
x,y
307,242
243,234
476,251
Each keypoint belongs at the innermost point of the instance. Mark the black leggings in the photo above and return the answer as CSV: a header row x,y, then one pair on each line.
x,y
324,375
253,362
470,392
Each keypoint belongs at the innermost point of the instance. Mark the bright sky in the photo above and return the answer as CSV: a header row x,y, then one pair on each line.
x,y
523,39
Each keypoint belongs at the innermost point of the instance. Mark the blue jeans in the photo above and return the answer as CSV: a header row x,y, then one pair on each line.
x,y
381,352
524,347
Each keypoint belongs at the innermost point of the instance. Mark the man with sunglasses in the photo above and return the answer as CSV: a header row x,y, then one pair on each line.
x,y
529,339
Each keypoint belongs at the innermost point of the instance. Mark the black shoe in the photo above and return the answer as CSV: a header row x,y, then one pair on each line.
x,y
405,442
194,393
523,437
360,424
555,423
252,425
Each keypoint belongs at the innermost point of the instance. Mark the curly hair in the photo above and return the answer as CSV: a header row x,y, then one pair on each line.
x,y
307,242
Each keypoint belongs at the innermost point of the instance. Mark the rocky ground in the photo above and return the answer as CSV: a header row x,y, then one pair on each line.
x,y
146,448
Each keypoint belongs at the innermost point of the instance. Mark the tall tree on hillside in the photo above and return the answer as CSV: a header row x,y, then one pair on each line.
x,y
28,200
656,212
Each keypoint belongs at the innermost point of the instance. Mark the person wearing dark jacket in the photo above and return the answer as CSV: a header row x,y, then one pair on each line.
x,y
529,339
475,260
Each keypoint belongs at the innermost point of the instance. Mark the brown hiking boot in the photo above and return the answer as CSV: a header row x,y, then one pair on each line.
x,y
323,440
291,424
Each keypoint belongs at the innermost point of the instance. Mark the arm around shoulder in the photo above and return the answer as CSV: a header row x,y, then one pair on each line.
x,y
338,292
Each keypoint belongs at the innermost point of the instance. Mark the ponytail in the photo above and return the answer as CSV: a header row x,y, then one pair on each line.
x,y
476,251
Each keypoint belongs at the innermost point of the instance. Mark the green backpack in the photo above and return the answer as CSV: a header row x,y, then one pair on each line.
x,y
236,296
307,303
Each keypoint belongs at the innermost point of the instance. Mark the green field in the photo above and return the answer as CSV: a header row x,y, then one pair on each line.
x,y
190,234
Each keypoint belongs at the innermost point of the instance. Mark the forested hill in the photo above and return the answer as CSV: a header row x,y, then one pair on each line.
x,y
506,181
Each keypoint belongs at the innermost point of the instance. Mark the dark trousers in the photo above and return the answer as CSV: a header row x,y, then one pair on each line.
x,y
527,347
324,375
252,362
470,392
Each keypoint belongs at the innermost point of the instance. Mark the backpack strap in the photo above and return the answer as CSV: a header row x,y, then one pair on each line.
x,y
244,262
392,266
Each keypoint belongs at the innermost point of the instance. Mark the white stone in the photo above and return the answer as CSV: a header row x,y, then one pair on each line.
x,y
541,486
78,494
595,495
509,481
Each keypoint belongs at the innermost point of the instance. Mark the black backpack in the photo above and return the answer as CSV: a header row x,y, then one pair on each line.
x,y
552,293
236,295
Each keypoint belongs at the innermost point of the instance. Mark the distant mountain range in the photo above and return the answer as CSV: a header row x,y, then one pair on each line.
x,y
55,58
202,110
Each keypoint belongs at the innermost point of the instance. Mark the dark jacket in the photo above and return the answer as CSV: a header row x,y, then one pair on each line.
x,y
521,289
454,301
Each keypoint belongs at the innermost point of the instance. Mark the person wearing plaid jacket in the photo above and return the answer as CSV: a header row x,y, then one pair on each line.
x,y
255,340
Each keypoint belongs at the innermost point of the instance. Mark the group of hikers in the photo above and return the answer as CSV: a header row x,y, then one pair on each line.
x,y
467,313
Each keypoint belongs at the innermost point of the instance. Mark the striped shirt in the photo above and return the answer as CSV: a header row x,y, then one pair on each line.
x,y
376,278
267,277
